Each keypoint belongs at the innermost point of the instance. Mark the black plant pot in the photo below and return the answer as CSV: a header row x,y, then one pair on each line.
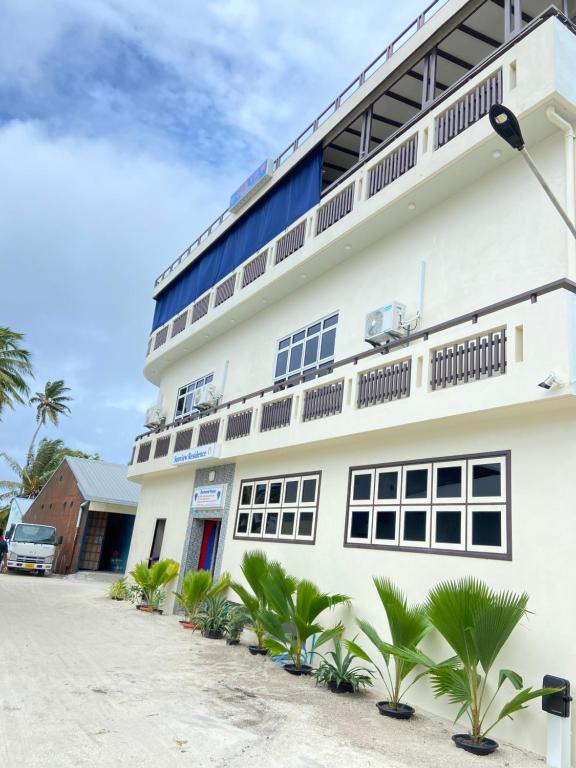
x,y
401,712
212,635
257,651
158,610
484,747
232,642
292,669
341,687
117,598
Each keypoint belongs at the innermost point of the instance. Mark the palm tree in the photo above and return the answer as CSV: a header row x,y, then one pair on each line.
x,y
197,588
31,478
50,405
255,567
14,366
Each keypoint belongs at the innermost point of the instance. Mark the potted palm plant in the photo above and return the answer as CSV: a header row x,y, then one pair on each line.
x,y
292,617
476,622
213,617
255,567
237,620
408,625
151,581
337,672
119,589
197,587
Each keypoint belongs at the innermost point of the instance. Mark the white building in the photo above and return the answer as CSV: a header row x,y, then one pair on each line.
x,y
430,451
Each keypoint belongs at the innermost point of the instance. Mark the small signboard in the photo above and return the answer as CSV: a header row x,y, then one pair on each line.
x,y
208,497
251,185
197,454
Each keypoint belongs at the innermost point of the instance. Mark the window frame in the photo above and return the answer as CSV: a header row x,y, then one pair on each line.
x,y
190,387
434,504
320,362
296,508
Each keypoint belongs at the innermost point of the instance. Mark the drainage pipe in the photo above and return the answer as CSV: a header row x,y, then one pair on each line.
x,y
569,144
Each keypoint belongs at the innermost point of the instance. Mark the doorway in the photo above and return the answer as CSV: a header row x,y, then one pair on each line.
x,y
209,546
158,538
116,542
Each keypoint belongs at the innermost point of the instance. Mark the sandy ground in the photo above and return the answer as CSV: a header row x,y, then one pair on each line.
x,y
85,682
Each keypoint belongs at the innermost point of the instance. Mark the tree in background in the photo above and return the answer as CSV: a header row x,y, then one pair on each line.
x,y
50,405
14,367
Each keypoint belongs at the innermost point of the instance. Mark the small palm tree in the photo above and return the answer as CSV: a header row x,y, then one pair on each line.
x,y
50,405
292,616
199,586
408,625
30,479
14,367
255,567
151,580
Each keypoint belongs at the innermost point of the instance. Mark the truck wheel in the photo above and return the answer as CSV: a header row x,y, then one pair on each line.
x,y
40,573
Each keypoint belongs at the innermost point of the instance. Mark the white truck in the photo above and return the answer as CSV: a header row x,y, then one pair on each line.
x,y
31,548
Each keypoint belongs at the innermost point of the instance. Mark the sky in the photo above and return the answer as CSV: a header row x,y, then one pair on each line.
x,y
125,125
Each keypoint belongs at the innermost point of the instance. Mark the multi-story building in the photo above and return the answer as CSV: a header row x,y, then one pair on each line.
x,y
350,360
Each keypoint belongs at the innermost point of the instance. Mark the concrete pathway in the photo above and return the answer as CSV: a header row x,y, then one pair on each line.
x,y
86,682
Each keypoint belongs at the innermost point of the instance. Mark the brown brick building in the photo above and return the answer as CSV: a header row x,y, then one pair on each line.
x,y
92,506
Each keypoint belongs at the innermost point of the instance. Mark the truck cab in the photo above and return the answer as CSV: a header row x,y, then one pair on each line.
x,y
31,548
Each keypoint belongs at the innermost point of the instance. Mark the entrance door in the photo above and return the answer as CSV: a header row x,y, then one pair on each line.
x,y
209,547
156,548
92,544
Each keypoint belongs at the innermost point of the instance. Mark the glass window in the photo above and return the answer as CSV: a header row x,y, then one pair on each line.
x,y
415,525
271,524
385,525
291,492
306,349
388,485
362,487
449,482
242,522
448,526
260,495
308,491
185,398
256,526
486,528
288,519
275,493
486,480
305,523
246,495
360,524
416,484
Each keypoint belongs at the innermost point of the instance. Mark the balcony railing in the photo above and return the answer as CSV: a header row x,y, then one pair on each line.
x,y
254,269
393,165
225,290
478,356
290,242
335,209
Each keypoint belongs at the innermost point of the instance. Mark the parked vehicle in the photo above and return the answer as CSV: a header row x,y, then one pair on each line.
x,y
32,548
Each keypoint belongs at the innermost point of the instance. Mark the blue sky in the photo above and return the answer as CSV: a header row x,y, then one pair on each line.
x,y
124,127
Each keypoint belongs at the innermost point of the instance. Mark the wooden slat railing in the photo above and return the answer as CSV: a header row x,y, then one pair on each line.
x,y
469,360
161,337
225,290
323,401
468,110
200,308
208,432
276,414
335,209
254,269
290,242
162,447
179,323
238,425
388,382
144,451
183,440
393,165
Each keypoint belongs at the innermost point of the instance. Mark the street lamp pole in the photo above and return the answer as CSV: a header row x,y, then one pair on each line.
x,y
506,125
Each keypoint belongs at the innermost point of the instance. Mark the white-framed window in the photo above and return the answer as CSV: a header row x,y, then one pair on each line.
x,y
282,508
306,349
452,505
185,399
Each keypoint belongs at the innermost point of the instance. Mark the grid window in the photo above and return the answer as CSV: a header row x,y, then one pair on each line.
x,y
450,505
185,399
279,508
306,349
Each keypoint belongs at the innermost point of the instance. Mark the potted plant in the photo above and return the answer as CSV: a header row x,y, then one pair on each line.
x,y
237,620
255,567
213,618
152,579
292,618
196,588
408,625
116,562
336,671
119,589
476,622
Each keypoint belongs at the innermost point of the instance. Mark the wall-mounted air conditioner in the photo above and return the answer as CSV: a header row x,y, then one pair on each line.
x,y
206,397
154,417
385,323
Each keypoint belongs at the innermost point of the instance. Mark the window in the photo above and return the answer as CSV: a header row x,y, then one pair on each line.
x,y
307,349
185,401
281,508
452,505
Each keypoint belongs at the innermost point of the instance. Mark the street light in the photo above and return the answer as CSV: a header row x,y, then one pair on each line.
x,y
506,125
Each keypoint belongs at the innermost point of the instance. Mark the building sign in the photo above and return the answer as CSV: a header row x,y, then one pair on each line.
x,y
197,454
208,497
251,185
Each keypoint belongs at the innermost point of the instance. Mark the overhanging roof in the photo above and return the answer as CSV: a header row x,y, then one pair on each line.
x,y
103,482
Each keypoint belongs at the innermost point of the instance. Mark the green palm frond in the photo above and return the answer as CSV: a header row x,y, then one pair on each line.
x,y
15,366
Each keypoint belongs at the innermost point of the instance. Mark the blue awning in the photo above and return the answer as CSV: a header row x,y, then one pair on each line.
x,y
289,199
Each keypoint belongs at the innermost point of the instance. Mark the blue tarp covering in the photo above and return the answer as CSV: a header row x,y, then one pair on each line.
x,y
295,194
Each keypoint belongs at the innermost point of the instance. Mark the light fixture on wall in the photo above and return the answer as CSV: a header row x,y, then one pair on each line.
x,y
550,380
211,476
411,206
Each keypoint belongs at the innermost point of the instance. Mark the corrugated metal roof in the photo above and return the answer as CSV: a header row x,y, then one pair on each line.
x,y
104,482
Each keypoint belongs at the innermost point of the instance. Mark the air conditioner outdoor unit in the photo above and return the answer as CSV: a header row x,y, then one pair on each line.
x,y
385,323
206,397
154,417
